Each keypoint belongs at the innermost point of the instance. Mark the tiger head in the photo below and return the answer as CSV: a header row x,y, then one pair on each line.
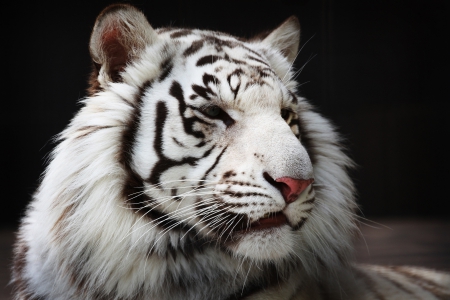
x,y
207,144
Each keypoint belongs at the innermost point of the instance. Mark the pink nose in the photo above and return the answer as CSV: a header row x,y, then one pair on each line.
x,y
291,188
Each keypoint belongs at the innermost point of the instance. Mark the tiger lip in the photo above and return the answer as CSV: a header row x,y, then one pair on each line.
x,y
268,221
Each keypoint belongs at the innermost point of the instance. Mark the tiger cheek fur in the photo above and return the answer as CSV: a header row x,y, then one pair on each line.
x,y
194,171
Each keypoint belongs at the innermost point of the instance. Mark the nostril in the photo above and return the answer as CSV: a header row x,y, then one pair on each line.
x,y
289,187
281,186
294,187
269,179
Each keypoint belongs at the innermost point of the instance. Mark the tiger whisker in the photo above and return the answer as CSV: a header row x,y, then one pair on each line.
x,y
208,217
183,210
201,219
195,187
240,267
155,220
172,214
155,186
228,209
292,64
155,241
246,276
212,225
232,229
168,198
299,71
164,232
230,222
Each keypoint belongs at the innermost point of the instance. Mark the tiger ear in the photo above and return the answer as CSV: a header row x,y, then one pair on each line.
x,y
121,32
285,38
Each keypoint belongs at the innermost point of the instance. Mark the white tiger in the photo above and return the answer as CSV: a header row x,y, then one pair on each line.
x,y
194,171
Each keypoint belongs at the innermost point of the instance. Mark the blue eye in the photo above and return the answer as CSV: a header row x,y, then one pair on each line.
x,y
215,112
212,111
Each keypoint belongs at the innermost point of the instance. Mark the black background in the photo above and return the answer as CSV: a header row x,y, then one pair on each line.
x,y
377,69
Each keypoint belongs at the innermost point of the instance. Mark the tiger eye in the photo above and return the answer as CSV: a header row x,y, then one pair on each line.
x,y
285,114
212,111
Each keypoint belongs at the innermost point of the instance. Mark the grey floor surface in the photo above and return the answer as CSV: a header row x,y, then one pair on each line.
x,y
386,241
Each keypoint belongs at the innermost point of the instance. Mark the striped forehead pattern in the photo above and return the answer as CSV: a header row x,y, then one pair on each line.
x,y
225,61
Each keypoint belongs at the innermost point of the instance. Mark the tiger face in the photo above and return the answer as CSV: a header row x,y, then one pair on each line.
x,y
216,147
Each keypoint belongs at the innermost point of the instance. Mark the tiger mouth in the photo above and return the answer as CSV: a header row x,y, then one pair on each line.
x,y
269,220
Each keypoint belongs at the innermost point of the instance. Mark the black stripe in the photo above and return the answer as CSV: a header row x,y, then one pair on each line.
x,y
258,60
188,123
242,183
178,143
206,60
264,72
177,92
201,144
300,224
214,164
180,33
307,211
237,73
225,204
202,91
166,68
161,116
211,59
257,81
208,78
205,91
194,48
133,182
310,201
236,61
240,195
252,51
164,163
219,43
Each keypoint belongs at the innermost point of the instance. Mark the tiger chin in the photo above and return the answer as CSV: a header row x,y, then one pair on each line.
x,y
194,170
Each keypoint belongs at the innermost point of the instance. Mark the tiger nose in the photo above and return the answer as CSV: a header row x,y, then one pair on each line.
x,y
291,188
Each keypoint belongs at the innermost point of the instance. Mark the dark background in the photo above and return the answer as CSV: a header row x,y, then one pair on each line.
x,y
377,69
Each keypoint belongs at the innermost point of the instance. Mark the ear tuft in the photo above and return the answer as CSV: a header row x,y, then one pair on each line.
x,y
120,33
285,38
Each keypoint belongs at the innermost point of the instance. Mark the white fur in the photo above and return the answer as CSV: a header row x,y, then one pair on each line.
x,y
79,222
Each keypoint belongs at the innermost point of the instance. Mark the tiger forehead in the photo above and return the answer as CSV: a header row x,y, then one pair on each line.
x,y
227,69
